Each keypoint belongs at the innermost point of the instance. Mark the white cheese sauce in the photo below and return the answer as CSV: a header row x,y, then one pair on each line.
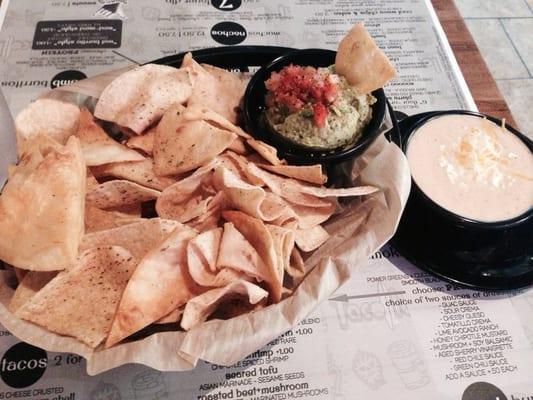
x,y
472,167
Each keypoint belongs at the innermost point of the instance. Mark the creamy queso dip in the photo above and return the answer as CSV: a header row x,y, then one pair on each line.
x,y
472,167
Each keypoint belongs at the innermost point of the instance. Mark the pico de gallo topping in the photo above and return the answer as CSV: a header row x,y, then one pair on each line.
x,y
296,87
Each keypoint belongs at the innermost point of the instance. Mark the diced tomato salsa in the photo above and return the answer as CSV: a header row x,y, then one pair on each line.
x,y
294,87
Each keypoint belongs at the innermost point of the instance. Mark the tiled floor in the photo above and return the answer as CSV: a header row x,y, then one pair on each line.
x,y
503,31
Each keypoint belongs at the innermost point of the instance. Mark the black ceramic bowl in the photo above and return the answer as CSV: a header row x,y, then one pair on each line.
x,y
254,107
495,255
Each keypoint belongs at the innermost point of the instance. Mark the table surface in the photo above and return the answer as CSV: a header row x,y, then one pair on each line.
x,y
478,77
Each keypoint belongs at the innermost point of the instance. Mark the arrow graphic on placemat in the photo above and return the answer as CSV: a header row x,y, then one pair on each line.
x,y
345,298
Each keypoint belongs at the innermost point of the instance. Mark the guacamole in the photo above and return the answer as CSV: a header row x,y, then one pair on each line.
x,y
316,107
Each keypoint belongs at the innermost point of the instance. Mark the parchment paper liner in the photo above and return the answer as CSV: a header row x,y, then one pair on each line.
x,y
356,233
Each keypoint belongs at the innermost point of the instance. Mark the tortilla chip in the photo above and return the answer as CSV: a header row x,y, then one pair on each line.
x,y
183,146
160,284
247,245
231,86
118,193
296,267
288,188
212,216
208,244
238,146
307,173
20,273
175,199
250,199
305,195
138,98
128,210
194,208
38,148
235,163
238,253
90,181
144,142
338,192
126,132
239,166
196,112
172,317
141,172
101,220
283,240
266,151
311,239
362,62
97,147
41,210
82,301
200,307
202,253
218,89
26,166
202,276
308,217
288,219
41,143
32,282
138,237
53,118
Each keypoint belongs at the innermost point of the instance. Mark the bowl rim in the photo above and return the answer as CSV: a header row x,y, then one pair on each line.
x,y
299,153
450,216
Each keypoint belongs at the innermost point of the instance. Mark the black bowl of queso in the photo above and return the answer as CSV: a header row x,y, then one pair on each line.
x,y
336,125
469,216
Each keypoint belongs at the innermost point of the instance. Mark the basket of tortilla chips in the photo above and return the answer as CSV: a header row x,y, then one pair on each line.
x,y
152,229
